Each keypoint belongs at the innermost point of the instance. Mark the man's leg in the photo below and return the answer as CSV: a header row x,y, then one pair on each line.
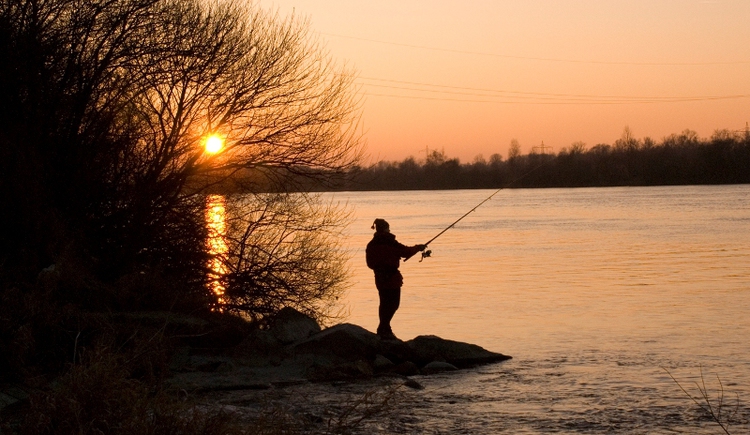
x,y
389,302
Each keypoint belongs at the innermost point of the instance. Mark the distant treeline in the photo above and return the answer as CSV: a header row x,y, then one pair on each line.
x,y
677,159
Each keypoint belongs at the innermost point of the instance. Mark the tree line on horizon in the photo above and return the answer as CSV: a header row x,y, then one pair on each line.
x,y
678,159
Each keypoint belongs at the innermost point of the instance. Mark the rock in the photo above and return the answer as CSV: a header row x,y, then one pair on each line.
x,y
350,343
340,347
208,367
430,348
289,325
268,346
345,342
396,351
338,372
411,383
313,418
221,333
177,322
437,367
364,368
407,368
226,367
215,381
289,383
259,347
230,386
323,373
212,364
382,364
295,348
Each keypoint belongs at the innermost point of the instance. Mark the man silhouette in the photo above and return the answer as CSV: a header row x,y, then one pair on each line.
x,y
383,255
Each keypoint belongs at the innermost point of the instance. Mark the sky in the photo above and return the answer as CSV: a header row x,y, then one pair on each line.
x,y
467,77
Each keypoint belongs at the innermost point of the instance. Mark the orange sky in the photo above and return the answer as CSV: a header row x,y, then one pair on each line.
x,y
467,77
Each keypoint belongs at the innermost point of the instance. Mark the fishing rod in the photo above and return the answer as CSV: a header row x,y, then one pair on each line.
x,y
427,253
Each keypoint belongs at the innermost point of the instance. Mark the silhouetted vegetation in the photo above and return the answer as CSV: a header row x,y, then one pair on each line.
x,y
105,107
718,410
677,159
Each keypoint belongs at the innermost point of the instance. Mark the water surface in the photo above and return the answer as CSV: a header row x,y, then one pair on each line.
x,y
595,292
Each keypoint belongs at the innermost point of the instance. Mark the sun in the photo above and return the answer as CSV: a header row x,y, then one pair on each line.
x,y
214,144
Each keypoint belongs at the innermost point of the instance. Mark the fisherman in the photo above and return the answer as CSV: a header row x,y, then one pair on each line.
x,y
383,255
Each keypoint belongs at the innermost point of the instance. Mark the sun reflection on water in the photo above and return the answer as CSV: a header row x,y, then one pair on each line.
x,y
216,244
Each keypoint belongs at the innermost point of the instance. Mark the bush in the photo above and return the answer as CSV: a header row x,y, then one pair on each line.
x,y
98,396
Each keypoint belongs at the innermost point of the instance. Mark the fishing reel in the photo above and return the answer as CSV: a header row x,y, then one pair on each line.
x,y
425,254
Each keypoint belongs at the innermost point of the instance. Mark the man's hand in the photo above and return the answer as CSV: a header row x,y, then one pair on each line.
x,y
421,247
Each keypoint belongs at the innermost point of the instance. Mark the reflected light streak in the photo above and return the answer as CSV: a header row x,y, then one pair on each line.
x,y
216,244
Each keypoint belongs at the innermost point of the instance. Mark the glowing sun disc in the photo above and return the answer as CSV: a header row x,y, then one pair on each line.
x,y
214,144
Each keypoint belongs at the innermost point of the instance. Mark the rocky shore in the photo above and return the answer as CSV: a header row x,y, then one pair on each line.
x,y
295,350
290,374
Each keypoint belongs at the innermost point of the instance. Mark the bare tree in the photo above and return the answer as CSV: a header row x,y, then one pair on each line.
x,y
283,250
578,147
514,150
258,81
627,140
116,100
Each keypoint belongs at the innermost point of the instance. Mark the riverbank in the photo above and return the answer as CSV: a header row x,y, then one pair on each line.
x,y
294,349
228,373
342,379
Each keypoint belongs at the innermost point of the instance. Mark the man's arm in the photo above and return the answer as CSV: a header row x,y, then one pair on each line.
x,y
408,251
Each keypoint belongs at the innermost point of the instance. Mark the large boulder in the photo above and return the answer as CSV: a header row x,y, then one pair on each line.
x,y
344,341
344,344
289,325
350,343
293,346
428,348
269,346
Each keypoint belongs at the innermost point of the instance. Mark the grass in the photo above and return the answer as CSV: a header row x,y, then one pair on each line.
x,y
370,405
717,409
99,395
115,385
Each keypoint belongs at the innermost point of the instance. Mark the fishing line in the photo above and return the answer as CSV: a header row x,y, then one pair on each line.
x,y
427,253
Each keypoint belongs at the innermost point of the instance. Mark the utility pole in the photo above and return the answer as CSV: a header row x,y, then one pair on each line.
x,y
426,151
542,148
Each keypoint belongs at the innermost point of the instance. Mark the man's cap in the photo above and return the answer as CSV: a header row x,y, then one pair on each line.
x,y
380,225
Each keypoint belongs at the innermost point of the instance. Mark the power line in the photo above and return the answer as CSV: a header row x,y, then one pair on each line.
x,y
560,102
453,93
532,58
522,93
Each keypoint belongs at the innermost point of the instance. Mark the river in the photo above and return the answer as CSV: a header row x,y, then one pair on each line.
x,y
599,294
